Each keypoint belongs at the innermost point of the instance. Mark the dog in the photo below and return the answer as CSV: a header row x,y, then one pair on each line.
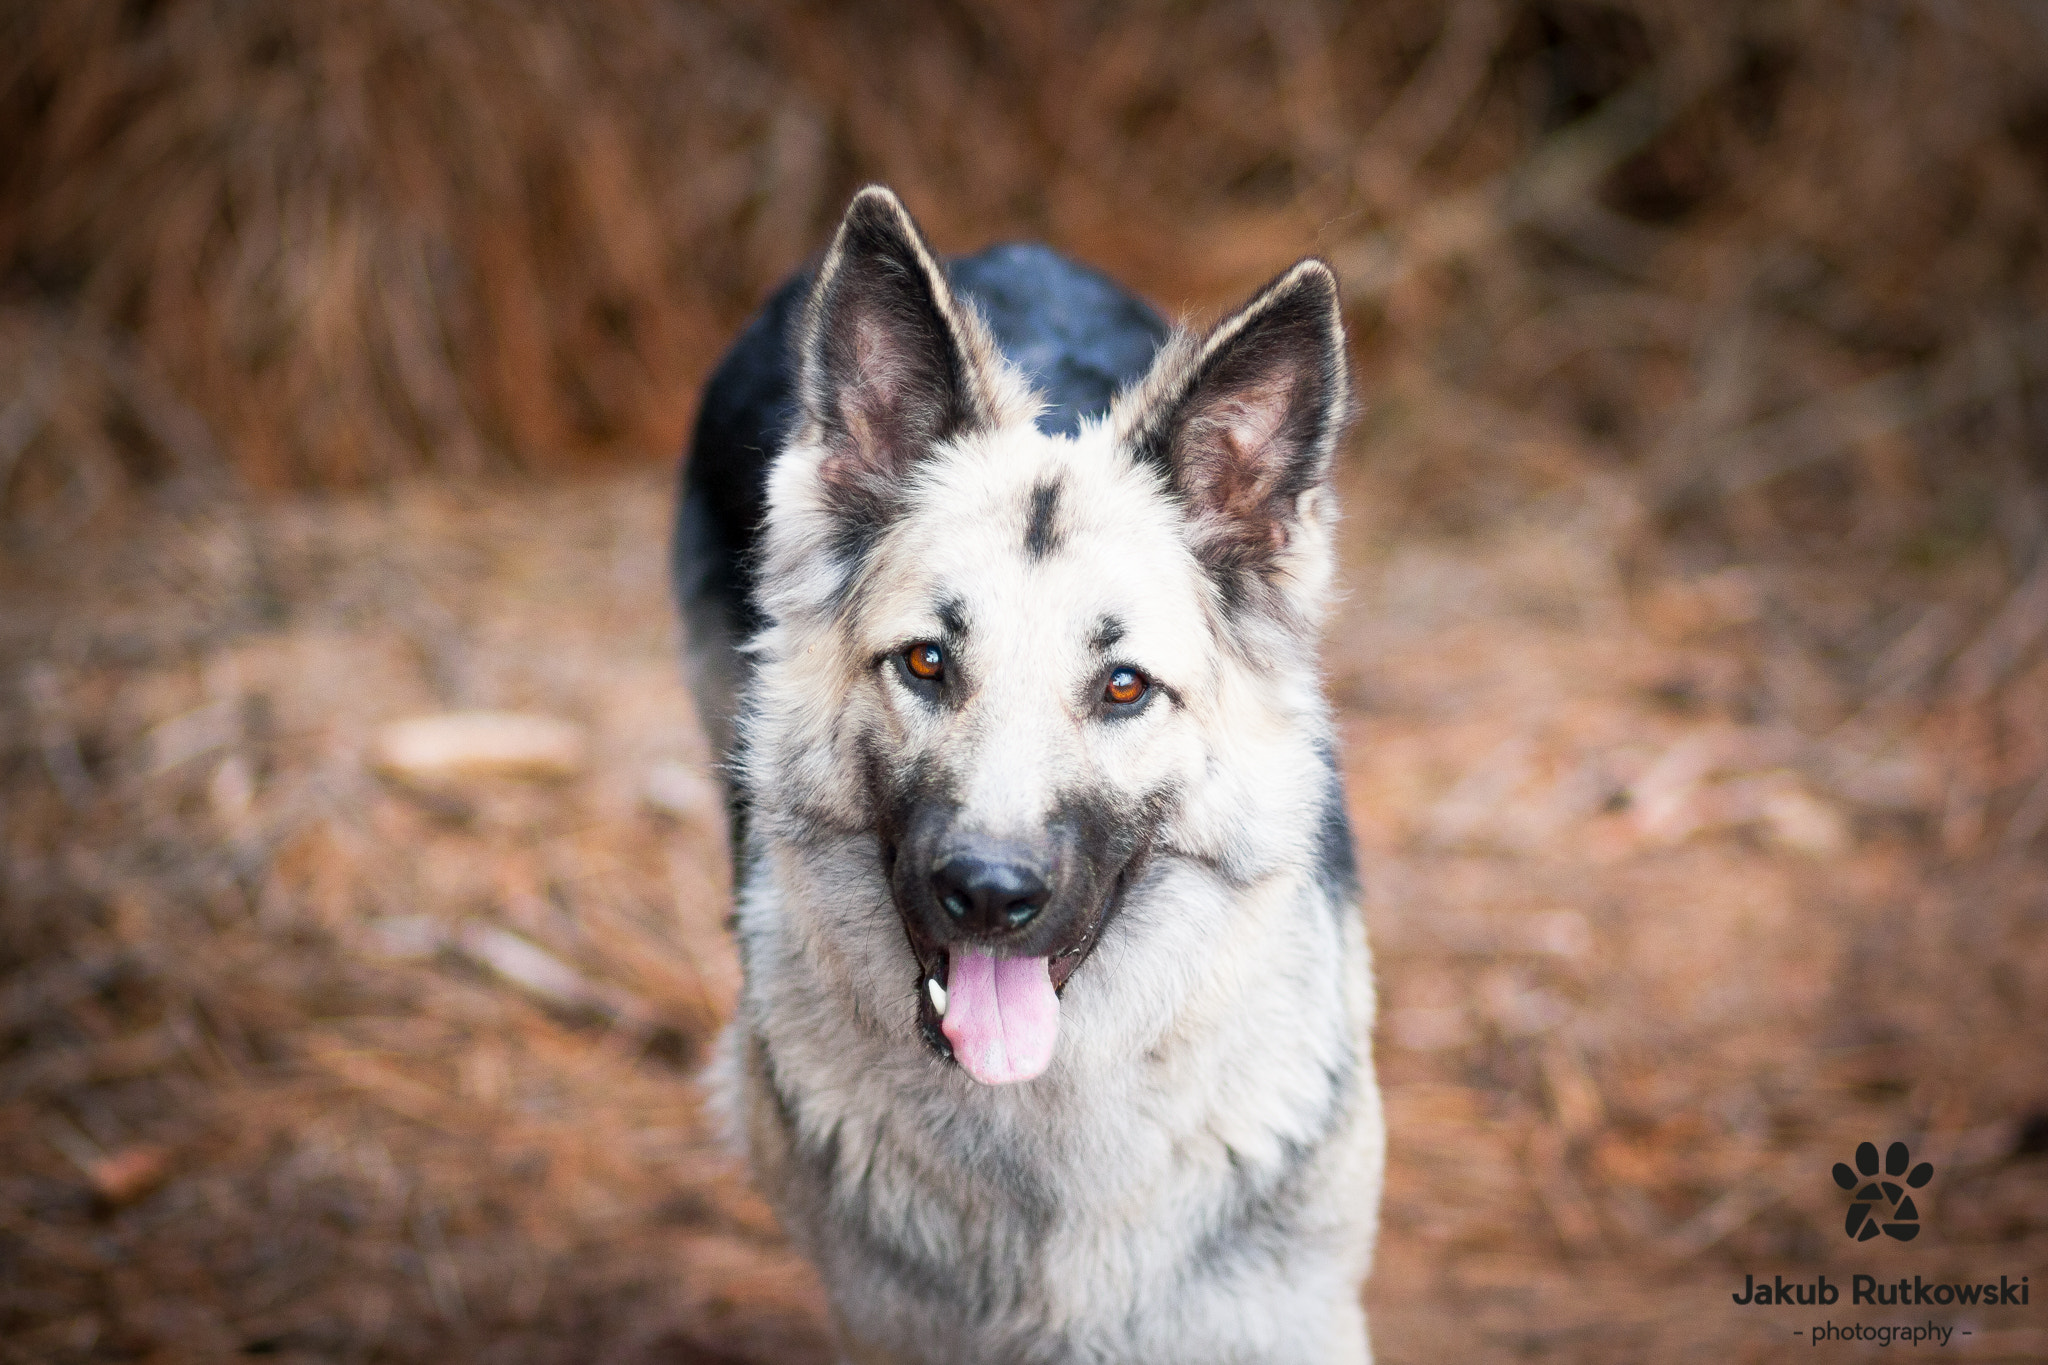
x,y
1003,603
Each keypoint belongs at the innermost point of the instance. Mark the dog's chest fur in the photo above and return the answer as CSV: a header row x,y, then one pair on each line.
x,y
1187,1164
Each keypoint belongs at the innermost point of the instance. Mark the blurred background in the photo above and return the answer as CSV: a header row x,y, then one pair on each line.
x,y
1691,669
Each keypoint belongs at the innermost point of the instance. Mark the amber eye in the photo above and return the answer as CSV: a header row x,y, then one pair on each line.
x,y
1126,685
925,660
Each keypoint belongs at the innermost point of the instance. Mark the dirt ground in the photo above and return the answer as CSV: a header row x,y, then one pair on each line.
x,y
304,1062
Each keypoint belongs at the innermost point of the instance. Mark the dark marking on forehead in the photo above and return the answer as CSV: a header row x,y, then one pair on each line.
x,y
1041,537
1107,632
953,616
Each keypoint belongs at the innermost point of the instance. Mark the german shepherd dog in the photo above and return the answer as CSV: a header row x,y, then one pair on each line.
x,y
1004,603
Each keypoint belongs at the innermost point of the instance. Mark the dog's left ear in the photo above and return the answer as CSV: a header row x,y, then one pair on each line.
x,y
1242,426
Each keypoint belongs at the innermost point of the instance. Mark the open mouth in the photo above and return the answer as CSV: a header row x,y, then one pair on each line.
x,y
998,1017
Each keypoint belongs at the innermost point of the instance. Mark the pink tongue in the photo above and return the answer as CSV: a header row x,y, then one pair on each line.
x,y
1001,1015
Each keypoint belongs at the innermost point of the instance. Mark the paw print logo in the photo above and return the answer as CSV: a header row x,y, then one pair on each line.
x,y
1877,1196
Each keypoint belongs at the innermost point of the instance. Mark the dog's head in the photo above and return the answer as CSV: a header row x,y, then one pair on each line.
x,y
1023,662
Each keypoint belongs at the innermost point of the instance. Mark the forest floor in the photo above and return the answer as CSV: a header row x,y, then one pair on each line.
x,y
300,1061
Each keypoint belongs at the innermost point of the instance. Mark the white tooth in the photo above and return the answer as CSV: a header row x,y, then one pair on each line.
x,y
938,995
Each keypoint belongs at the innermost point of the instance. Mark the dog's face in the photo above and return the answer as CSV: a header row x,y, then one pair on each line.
x,y
1010,656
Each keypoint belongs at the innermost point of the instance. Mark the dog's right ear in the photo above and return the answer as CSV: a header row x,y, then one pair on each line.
x,y
891,365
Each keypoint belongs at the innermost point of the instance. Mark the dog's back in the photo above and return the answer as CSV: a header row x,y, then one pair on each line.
x,y
1077,335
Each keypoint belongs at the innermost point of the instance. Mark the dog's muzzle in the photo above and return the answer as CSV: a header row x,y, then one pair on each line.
x,y
998,926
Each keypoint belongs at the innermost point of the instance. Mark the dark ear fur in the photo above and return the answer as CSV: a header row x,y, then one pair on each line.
x,y
888,364
1243,424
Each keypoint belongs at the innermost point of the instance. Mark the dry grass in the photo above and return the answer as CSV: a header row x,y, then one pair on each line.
x,y
1693,677
460,234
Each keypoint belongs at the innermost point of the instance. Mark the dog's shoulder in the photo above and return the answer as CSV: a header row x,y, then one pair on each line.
x,y
748,408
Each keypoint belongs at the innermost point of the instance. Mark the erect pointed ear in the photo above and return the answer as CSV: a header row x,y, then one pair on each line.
x,y
1242,426
891,365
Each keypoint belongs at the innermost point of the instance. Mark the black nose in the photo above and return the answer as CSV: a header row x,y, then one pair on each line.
x,y
986,895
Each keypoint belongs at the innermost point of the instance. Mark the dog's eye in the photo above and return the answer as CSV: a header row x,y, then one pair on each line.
x,y
1126,686
925,660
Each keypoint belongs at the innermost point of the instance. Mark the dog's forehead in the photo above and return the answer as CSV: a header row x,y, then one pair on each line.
x,y
1021,529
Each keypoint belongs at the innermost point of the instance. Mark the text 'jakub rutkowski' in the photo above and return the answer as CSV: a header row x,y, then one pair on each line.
x,y
1866,1289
